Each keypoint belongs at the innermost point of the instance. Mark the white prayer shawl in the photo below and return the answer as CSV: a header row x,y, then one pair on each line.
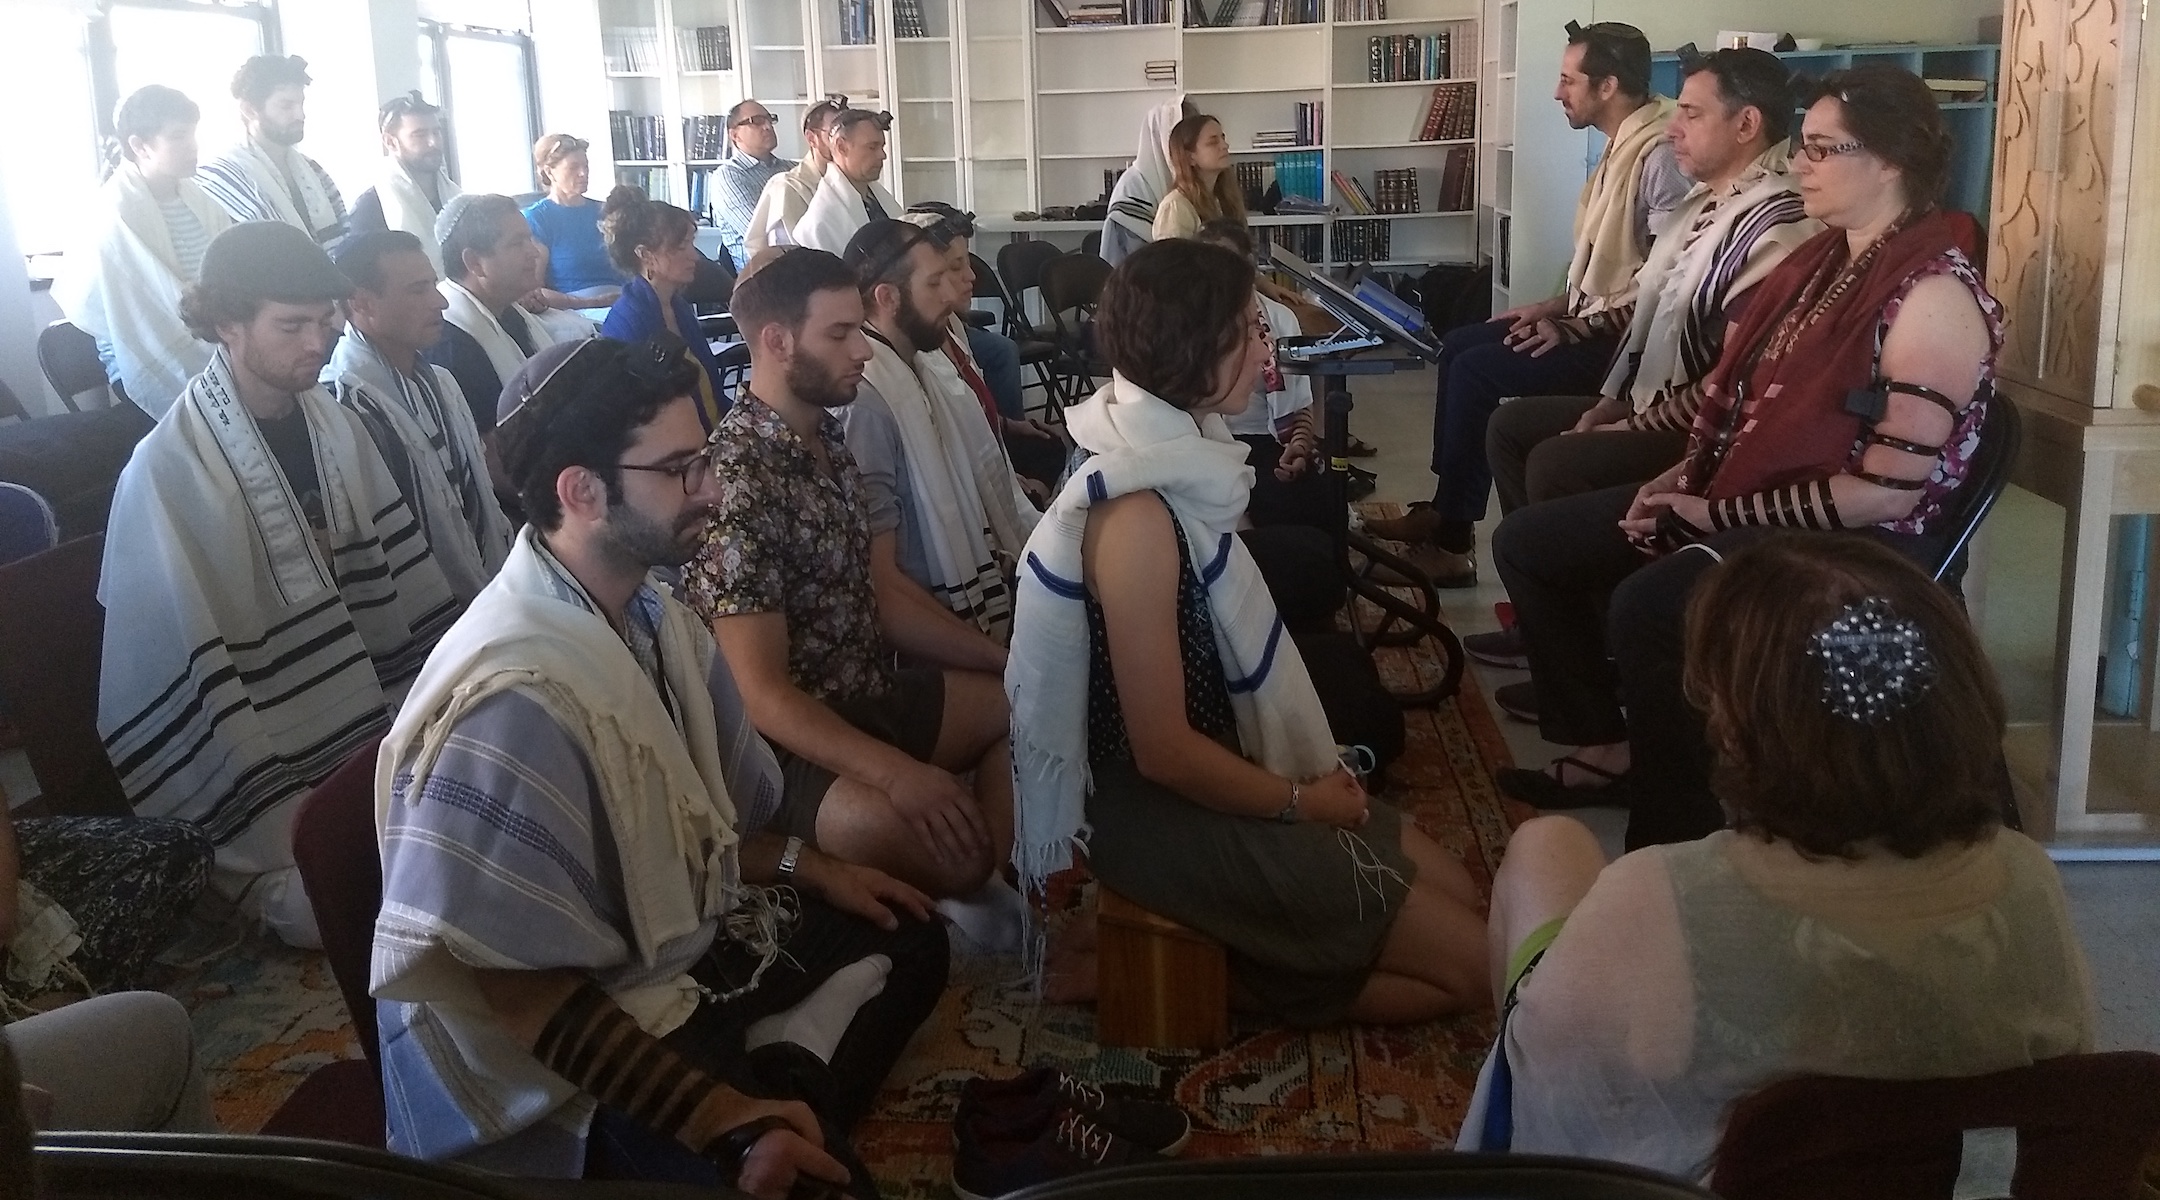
x,y
252,187
782,204
956,481
1141,443
837,211
1601,274
658,777
435,456
469,314
1140,190
1024,509
242,662
121,282
405,205
1692,274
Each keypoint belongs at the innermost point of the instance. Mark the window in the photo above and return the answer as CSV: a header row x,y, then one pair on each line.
x,y
483,80
192,46
49,166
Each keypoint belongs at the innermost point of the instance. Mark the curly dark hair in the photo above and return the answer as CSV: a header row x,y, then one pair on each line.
x,y
1788,767
203,308
629,220
1894,115
266,73
586,416
1171,313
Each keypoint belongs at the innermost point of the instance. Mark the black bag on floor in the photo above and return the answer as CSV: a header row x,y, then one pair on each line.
x,y
1453,295
1360,711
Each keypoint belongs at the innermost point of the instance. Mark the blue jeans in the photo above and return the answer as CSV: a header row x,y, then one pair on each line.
x,y
999,359
1477,371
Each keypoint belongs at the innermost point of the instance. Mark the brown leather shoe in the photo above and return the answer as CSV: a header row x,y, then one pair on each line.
x,y
1445,568
1417,525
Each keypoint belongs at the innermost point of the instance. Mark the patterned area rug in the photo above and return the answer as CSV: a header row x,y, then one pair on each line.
x,y
266,1015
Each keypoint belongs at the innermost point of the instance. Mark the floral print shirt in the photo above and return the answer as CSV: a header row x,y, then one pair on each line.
x,y
789,538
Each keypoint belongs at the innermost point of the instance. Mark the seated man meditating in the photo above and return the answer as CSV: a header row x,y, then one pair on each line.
x,y
1866,915
1156,699
579,972
788,577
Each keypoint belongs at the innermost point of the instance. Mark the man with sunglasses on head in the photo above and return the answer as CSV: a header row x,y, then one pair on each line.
x,y
599,954
743,174
787,195
1561,345
849,196
413,186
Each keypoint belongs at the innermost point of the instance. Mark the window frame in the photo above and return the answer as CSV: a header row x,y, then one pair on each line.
x,y
104,52
438,35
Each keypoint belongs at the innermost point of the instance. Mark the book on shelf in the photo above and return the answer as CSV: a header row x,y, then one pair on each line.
x,y
1396,190
1303,185
705,137
908,19
652,181
858,26
1161,70
1252,177
1409,56
1354,195
1452,113
1306,241
1361,241
700,195
1500,249
704,48
1458,180
636,138
1361,10
631,49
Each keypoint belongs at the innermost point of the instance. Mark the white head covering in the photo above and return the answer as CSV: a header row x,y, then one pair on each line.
x,y
1143,185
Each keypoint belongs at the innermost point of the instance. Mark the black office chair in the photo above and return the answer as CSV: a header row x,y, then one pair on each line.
x,y
199,1166
1073,283
1019,267
69,358
1986,476
1371,1177
1035,352
1092,244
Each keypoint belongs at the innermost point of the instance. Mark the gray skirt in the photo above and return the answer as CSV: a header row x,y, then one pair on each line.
x,y
1303,909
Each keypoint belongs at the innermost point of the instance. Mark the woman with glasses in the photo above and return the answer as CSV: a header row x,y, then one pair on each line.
x,y
1158,704
655,244
1849,395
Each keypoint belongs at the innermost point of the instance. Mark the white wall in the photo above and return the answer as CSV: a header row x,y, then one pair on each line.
x,y
18,324
360,54
1669,23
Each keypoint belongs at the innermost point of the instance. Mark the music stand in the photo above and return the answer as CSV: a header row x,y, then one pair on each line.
x,y
1403,343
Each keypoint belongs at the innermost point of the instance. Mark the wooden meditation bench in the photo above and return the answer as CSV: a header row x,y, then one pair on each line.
x,y
1158,984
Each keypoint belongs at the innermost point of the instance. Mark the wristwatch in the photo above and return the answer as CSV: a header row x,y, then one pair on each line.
x,y
1289,813
790,856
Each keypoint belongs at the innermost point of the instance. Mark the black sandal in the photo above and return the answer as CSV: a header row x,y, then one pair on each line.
x,y
1543,789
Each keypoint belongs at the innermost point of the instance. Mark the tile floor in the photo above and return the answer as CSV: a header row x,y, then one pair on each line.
x,y
2116,905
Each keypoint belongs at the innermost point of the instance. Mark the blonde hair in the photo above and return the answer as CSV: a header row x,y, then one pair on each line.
x,y
550,151
1226,201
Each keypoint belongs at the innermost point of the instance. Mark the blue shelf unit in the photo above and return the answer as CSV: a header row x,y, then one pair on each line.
x,y
1971,125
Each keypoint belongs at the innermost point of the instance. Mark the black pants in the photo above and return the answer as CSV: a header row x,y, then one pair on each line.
x,y
1039,459
1603,624
1305,500
840,1092
1477,371
1302,568
1531,462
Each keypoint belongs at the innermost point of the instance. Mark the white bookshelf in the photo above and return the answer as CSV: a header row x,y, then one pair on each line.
x,y
1534,165
1092,93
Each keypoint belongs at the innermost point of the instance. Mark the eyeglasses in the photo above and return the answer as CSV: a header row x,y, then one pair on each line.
x,y
690,472
1817,151
761,120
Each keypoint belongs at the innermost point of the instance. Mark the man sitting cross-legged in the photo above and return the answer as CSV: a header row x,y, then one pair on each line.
x,y
415,409
933,471
579,972
786,579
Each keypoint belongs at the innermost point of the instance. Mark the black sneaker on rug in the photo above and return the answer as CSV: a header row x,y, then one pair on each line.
x,y
1546,789
987,1163
1502,648
1517,700
1162,1128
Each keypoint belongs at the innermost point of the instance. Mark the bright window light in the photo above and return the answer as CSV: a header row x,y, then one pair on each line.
x,y
488,115
195,51
51,161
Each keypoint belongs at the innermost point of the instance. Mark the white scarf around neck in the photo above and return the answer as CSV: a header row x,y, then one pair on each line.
x,y
837,211
406,206
1601,274
1141,443
467,313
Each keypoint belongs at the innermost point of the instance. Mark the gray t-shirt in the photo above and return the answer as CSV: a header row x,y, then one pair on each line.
x,y
1660,192
873,437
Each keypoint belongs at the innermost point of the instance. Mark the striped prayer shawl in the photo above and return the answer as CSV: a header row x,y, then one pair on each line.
x,y
246,655
248,184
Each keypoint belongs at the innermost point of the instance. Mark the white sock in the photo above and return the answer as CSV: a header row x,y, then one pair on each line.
x,y
993,920
818,1022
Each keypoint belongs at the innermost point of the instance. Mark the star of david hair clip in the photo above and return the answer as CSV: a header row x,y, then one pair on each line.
x,y
1875,662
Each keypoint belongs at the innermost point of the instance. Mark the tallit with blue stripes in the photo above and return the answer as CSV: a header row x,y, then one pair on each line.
x,y
1141,443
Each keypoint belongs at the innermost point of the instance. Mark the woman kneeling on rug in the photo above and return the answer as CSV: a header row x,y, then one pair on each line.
x,y
1850,395
1867,914
1163,720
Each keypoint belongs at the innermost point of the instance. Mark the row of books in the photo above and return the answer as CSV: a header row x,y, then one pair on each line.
x,y
858,26
631,49
1300,175
1064,13
1307,130
705,48
1161,70
1361,10
700,197
652,181
705,137
907,18
1394,191
1361,241
1452,115
1408,56
636,138
1225,14
1305,241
